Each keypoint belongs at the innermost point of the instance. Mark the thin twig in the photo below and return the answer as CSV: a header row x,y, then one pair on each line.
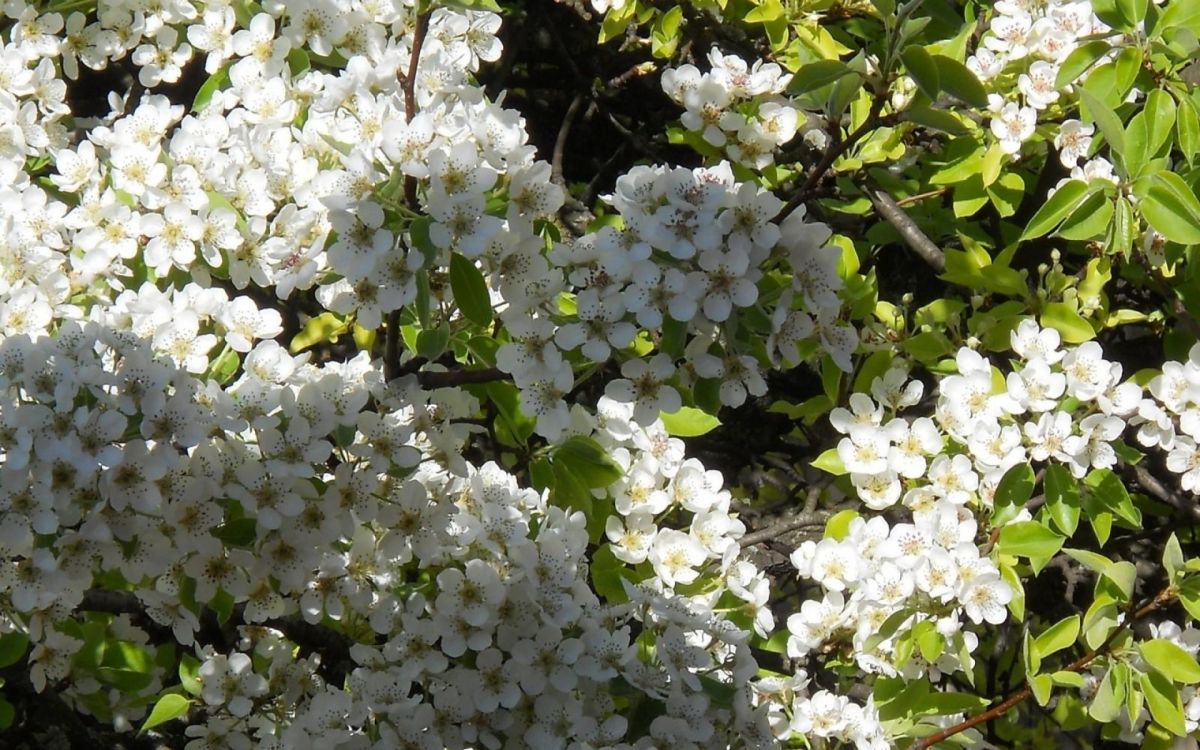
x,y
910,199
832,153
408,82
912,235
1165,597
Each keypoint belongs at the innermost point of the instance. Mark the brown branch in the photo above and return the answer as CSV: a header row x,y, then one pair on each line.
x,y
1165,597
408,82
910,199
560,143
798,521
832,153
454,378
912,235
1154,487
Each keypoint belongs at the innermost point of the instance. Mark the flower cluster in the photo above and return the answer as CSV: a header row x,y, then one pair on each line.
x,y
735,106
1037,38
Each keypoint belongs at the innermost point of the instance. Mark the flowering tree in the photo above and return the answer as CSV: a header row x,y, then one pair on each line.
x,y
733,373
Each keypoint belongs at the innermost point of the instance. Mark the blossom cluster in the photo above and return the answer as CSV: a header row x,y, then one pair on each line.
x,y
736,106
1037,38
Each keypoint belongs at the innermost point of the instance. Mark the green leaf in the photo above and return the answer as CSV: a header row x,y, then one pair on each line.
x,y
816,75
1170,206
431,342
1124,575
1187,125
1173,560
1162,698
587,461
830,462
922,69
1013,491
1062,317
1108,489
838,525
1029,539
237,532
1106,120
215,82
1041,685
1062,498
1055,209
1058,636
1091,560
7,714
12,647
1106,703
958,81
1173,662
168,708
325,327
470,290
1079,61
1090,220
689,422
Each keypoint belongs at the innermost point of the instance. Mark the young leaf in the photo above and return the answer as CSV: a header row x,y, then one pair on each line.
x,y
1171,661
1058,636
689,422
1162,698
169,707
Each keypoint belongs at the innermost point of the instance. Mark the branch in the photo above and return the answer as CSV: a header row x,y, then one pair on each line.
x,y
908,229
1165,597
454,378
408,81
832,153
798,521
1153,486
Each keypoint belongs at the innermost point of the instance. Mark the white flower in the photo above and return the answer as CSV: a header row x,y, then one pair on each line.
x,y
1013,125
984,599
1073,141
644,384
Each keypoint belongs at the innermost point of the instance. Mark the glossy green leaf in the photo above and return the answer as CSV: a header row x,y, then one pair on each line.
x,y
588,461
922,69
830,462
1013,491
689,422
817,75
1055,209
1058,636
1029,539
470,290
1162,698
1171,660
324,327
1106,703
168,708
1171,207
1106,120
957,80
1077,63
1062,317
